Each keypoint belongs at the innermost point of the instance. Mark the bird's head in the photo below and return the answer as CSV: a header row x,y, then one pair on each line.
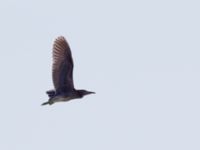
x,y
84,92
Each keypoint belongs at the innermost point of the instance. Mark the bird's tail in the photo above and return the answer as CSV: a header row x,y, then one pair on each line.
x,y
45,103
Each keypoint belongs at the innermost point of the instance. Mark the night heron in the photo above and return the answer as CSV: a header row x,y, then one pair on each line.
x,y
62,73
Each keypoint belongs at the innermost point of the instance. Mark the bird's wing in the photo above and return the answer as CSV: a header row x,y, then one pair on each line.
x,y
62,70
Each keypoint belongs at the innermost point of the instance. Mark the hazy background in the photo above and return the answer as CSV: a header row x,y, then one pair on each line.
x,y
140,57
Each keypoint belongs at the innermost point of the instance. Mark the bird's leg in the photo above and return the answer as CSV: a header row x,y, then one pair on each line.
x,y
50,102
45,103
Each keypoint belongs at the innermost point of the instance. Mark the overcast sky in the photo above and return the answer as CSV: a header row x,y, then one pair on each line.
x,y
140,57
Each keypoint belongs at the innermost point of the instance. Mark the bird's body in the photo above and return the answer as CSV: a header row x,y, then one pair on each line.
x,y
62,72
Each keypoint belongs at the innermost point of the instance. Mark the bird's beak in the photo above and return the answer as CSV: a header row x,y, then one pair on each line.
x,y
91,92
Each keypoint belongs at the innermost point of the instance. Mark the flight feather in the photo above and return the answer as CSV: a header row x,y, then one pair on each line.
x,y
62,69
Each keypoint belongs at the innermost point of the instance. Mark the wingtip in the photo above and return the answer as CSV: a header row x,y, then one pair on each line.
x,y
60,38
59,42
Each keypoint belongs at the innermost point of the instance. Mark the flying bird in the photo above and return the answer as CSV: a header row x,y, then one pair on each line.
x,y
62,74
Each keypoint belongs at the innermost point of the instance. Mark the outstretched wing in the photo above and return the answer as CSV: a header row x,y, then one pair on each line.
x,y
62,66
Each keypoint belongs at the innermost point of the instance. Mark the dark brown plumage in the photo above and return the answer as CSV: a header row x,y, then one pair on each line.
x,y
62,73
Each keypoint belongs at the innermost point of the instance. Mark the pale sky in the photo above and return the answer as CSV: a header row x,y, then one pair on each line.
x,y
140,57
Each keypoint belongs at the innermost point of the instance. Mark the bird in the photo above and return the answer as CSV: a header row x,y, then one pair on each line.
x,y
62,75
